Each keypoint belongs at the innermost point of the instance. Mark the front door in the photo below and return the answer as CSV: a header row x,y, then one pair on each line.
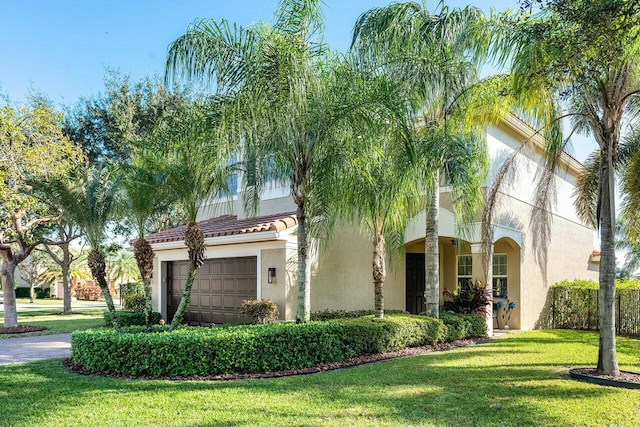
x,y
415,279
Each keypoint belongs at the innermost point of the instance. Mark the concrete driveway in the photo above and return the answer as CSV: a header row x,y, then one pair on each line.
x,y
28,349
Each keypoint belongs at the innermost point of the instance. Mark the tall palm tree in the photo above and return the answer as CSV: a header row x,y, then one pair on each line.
x,y
436,57
141,196
286,100
377,190
195,169
579,60
87,198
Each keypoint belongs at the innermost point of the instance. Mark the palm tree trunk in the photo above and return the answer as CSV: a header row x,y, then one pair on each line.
x,y
607,358
303,312
8,292
144,257
194,239
186,297
379,272
97,265
432,276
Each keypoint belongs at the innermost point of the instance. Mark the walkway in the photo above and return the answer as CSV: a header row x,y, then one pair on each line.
x,y
28,349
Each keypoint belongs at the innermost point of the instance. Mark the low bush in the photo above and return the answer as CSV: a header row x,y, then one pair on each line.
x,y
43,293
260,311
461,326
189,351
590,284
22,292
135,302
344,314
130,318
469,298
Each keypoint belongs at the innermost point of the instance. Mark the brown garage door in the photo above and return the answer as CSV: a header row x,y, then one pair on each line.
x,y
218,290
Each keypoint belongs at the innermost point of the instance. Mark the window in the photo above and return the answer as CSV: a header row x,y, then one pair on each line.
x,y
499,274
465,267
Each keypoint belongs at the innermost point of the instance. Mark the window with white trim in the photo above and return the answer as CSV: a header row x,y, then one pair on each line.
x,y
465,268
499,274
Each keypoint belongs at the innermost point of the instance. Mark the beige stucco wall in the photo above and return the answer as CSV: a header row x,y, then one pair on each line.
x,y
343,277
276,291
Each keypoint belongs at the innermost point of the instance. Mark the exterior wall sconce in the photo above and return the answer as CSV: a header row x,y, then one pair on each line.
x,y
271,274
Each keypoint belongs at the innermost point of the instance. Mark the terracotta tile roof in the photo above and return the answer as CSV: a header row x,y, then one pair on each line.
x,y
227,225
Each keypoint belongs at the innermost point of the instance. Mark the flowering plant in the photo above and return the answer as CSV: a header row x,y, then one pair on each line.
x,y
504,309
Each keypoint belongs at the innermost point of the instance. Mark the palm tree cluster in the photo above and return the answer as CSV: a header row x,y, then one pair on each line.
x,y
368,136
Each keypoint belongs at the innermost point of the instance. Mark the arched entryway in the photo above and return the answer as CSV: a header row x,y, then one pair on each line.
x,y
506,282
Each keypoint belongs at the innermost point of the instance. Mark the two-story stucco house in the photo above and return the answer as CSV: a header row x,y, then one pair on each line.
x,y
256,257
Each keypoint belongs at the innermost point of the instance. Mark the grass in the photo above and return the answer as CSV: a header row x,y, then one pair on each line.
x,y
84,318
517,380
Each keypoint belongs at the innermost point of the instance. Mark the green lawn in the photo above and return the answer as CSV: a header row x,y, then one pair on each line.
x,y
517,380
85,318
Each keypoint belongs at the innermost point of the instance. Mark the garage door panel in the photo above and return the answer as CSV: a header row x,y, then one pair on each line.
x,y
229,284
219,289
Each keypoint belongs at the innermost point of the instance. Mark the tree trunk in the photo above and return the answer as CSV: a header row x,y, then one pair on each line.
x,y
194,239
186,297
97,265
607,358
66,287
144,257
65,266
32,292
8,293
379,272
303,312
431,258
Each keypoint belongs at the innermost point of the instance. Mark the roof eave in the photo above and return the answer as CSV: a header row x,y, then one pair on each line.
x,y
233,239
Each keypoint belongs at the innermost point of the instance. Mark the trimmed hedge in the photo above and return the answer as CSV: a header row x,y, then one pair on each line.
x,y
590,284
130,318
461,326
190,351
344,314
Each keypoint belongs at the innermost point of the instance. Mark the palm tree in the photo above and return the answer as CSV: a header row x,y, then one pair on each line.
x,y
142,196
195,169
86,198
376,189
122,267
579,60
436,57
287,101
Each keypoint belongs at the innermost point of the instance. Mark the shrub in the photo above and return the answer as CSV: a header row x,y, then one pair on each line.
x,y
43,293
130,318
22,292
469,297
89,293
260,311
189,351
590,284
344,314
461,326
135,302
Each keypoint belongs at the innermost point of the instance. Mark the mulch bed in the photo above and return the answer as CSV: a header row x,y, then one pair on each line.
x,y
22,329
625,379
413,351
